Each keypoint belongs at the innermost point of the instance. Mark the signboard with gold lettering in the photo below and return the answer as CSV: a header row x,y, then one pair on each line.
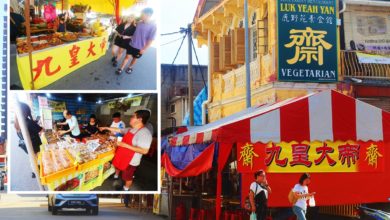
x,y
307,40
315,157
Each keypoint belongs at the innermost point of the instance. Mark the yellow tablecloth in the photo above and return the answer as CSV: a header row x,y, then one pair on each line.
x,y
51,64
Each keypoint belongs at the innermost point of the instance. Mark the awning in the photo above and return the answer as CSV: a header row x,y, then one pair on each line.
x,y
322,116
189,160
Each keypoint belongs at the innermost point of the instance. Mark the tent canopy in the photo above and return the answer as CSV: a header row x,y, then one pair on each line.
x,y
322,116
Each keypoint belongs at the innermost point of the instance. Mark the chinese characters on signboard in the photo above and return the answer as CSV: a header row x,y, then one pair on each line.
x,y
307,41
51,65
339,156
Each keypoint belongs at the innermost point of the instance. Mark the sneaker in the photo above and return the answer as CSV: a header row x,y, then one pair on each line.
x,y
118,71
129,70
115,63
113,59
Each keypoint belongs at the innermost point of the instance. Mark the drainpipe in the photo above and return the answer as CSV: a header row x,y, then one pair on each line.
x,y
344,7
209,72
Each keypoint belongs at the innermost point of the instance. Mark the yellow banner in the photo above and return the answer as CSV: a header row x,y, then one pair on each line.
x,y
57,106
318,157
50,65
99,6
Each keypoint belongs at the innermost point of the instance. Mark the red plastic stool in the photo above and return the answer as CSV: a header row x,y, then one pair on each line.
x,y
181,212
194,214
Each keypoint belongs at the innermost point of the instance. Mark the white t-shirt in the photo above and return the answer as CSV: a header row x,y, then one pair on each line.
x,y
150,127
301,203
143,139
259,189
72,122
120,125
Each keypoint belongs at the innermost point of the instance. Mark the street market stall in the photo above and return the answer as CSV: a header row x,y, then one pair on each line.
x,y
56,55
73,153
55,45
340,140
69,165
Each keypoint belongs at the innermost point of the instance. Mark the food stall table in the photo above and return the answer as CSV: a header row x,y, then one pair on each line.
x,y
83,174
53,62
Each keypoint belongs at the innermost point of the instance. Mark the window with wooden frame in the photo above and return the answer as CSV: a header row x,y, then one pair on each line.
x,y
238,46
214,57
225,51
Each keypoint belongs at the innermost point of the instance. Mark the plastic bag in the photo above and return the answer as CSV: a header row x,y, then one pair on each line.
x,y
312,202
49,12
253,216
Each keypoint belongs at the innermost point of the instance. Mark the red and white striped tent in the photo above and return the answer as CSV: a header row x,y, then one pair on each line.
x,y
327,115
323,116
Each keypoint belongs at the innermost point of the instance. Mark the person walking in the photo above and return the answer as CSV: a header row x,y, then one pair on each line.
x,y
124,33
301,196
142,39
258,195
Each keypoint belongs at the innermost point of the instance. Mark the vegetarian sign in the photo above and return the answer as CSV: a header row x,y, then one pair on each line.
x,y
307,39
316,156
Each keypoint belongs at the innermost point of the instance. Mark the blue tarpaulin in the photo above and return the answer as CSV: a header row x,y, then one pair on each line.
x,y
202,96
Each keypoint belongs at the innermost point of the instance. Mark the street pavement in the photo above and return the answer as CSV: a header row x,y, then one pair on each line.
x,y
100,75
34,207
21,172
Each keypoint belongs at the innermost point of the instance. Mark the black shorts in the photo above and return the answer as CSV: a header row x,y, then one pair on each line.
x,y
133,52
124,44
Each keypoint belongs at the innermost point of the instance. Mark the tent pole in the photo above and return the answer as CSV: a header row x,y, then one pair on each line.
x,y
28,36
180,187
170,197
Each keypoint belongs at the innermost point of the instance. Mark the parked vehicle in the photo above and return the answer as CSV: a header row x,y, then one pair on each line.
x,y
365,213
89,202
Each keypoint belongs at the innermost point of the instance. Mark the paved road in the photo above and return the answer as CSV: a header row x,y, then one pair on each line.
x,y
14,207
21,172
100,75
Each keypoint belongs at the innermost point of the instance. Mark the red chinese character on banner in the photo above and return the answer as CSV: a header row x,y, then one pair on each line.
x,y
300,155
45,63
103,44
73,56
325,150
349,153
90,49
274,152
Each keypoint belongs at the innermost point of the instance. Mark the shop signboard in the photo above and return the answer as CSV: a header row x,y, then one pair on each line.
x,y
307,40
312,157
57,106
50,65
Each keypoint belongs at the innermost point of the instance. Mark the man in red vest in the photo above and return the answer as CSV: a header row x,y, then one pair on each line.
x,y
135,143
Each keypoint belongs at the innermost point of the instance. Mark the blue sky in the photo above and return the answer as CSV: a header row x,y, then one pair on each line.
x,y
176,14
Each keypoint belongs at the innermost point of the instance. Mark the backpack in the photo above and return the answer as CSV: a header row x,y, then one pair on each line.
x,y
292,198
248,202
